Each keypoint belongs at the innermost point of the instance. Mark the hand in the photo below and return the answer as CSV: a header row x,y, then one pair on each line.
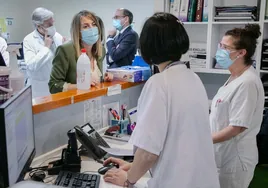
x,y
94,83
123,165
112,33
108,77
64,39
116,176
48,40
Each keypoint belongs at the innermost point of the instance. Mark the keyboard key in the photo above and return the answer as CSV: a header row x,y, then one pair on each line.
x,y
94,178
85,177
89,177
74,183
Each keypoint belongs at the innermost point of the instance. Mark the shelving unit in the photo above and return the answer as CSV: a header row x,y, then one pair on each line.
x,y
211,32
234,23
195,23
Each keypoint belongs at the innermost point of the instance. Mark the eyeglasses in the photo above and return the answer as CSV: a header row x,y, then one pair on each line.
x,y
117,17
225,47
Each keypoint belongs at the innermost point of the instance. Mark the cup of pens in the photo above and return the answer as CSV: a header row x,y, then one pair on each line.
x,y
118,121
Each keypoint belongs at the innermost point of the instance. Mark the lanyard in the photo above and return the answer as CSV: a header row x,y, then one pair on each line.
x,y
173,64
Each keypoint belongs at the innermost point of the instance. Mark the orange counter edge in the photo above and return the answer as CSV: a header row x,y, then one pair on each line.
x,y
43,104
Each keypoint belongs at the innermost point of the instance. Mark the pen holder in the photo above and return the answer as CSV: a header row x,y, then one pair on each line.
x,y
122,124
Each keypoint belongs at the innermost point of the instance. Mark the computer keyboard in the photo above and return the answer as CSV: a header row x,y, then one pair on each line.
x,y
77,180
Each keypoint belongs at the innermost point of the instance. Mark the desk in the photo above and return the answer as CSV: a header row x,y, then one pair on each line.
x,y
88,165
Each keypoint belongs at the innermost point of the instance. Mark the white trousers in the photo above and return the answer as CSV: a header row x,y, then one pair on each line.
x,y
240,178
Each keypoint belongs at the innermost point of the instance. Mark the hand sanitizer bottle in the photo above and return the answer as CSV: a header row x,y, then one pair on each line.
x,y
83,77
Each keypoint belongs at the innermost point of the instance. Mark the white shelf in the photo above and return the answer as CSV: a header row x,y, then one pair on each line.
x,y
265,21
195,23
212,71
263,71
233,23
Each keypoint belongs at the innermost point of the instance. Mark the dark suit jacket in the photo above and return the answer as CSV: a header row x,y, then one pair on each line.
x,y
2,61
122,49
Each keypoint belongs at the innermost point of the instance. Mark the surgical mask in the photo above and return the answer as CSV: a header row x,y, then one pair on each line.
x,y
117,24
51,31
223,58
90,36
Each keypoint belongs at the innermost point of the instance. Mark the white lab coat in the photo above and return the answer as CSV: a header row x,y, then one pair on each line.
x,y
239,103
38,60
3,50
173,123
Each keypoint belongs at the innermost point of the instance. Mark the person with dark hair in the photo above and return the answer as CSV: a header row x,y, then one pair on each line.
x,y
121,48
237,108
172,136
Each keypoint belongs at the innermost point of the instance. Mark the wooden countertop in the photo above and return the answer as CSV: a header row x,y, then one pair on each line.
x,y
42,104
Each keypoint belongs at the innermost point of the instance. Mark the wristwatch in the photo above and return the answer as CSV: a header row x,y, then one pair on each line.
x,y
128,184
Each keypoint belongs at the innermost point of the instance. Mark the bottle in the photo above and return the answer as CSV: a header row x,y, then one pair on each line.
x,y
83,73
16,77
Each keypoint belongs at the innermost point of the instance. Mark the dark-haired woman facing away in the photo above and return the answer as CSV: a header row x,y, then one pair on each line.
x,y
237,108
172,136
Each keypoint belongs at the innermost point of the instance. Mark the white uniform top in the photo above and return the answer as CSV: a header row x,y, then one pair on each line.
x,y
239,103
3,50
38,60
173,123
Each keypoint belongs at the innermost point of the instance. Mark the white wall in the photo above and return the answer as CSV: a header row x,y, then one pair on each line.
x,y
64,11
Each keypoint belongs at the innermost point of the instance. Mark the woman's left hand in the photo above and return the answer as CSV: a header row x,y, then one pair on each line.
x,y
116,176
108,77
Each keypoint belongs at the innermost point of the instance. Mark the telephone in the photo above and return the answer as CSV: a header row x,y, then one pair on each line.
x,y
90,139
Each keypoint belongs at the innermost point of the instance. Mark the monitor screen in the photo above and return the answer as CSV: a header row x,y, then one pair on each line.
x,y
17,136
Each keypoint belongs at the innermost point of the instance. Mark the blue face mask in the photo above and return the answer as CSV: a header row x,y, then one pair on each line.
x,y
223,58
90,36
117,24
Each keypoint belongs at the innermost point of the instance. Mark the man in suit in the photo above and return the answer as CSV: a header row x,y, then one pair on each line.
x,y
122,47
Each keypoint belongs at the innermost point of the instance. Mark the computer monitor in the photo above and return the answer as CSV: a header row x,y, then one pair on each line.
x,y
17,146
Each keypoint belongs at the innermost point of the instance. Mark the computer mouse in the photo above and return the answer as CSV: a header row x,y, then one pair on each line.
x,y
105,168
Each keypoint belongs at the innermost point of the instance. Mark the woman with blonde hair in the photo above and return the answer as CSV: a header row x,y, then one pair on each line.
x,y
85,32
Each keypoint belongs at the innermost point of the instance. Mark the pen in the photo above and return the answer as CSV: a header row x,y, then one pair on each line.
x,y
118,117
114,113
123,115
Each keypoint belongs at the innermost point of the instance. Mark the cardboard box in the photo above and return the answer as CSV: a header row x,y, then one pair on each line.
x,y
131,73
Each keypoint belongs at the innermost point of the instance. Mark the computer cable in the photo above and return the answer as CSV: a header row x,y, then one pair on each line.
x,y
58,157
38,168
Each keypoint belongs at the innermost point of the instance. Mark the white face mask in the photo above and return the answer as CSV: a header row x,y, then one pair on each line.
x,y
51,31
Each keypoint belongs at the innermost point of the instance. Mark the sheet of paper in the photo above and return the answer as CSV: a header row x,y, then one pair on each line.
x,y
93,113
124,138
118,151
133,115
114,90
9,21
3,25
